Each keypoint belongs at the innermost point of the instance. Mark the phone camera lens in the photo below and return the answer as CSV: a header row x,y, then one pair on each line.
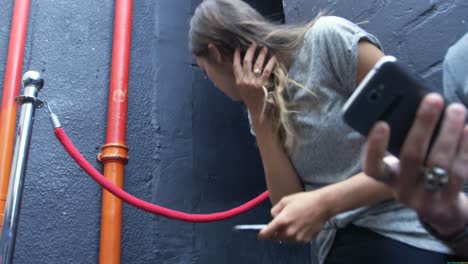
x,y
374,96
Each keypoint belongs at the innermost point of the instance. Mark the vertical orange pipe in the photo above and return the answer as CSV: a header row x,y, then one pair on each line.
x,y
114,152
11,88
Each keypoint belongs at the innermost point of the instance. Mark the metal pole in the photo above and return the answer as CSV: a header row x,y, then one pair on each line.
x,y
11,89
32,83
114,154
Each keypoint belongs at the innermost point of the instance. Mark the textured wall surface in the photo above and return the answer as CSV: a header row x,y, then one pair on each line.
x,y
418,32
190,148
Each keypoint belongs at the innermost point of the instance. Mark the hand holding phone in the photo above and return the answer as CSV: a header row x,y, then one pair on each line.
x,y
388,93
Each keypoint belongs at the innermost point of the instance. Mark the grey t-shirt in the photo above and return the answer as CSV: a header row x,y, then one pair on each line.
x,y
456,72
456,75
329,150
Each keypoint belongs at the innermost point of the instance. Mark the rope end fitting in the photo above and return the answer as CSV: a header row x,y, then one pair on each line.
x,y
53,117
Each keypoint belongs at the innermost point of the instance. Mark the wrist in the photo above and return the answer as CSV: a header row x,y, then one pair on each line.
x,y
255,110
453,233
451,228
328,205
454,241
254,114
260,121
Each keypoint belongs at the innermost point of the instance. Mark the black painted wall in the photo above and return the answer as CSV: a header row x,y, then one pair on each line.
x,y
418,32
190,148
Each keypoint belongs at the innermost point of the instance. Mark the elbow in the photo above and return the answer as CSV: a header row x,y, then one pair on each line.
x,y
274,200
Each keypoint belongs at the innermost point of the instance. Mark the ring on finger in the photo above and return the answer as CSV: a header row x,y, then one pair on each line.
x,y
389,162
257,72
434,178
388,174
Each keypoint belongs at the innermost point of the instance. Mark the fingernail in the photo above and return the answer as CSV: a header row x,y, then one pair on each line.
x,y
378,131
456,111
379,128
431,102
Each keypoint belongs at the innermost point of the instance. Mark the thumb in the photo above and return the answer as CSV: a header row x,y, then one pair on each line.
x,y
278,208
271,230
375,151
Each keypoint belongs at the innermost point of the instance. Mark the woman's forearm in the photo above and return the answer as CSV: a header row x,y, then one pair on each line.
x,y
357,191
281,177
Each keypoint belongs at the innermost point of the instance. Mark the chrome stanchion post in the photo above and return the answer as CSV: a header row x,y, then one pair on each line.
x,y
32,82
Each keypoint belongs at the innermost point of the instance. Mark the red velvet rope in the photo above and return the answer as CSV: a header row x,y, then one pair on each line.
x,y
149,207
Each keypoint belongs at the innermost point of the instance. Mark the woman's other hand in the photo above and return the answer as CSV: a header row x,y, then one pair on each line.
x,y
297,218
251,79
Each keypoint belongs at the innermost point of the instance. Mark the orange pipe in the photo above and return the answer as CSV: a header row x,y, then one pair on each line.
x,y
114,152
11,88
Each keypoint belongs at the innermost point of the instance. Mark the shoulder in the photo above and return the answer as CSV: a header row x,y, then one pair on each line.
x,y
457,54
458,49
329,27
454,74
337,34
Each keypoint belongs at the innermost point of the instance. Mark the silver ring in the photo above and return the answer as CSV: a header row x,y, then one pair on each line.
x,y
257,72
388,175
434,178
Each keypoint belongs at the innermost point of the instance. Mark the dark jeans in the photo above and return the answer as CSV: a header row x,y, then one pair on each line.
x,y
360,245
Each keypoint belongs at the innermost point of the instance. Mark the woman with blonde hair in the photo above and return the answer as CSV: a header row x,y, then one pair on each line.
x,y
294,79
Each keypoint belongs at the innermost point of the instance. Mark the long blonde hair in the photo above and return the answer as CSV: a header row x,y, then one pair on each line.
x,y
231,24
